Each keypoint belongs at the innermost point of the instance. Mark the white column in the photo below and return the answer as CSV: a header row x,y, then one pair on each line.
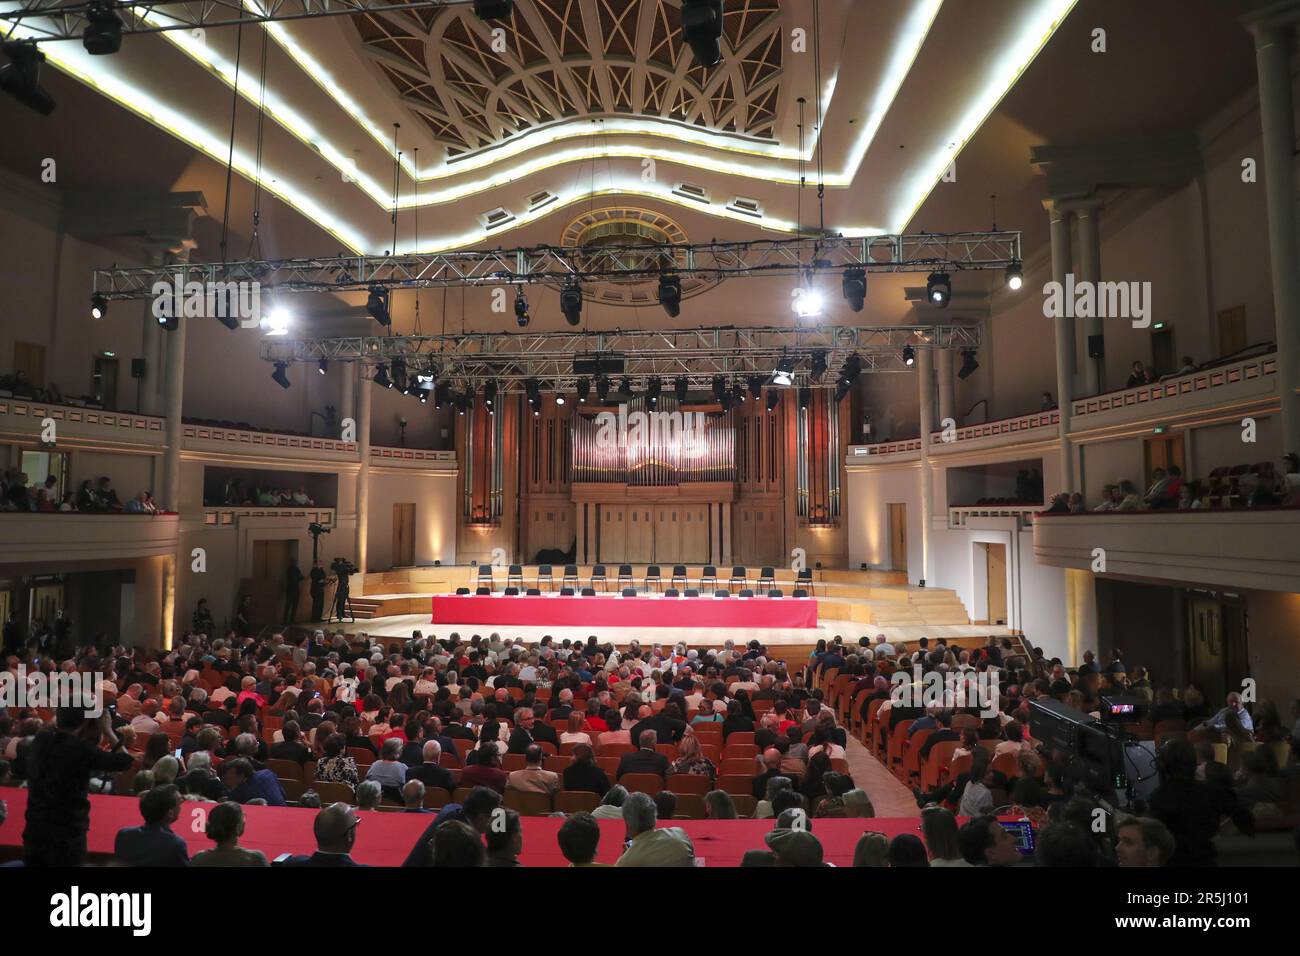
x,y
364,389
1066,360
347,393
1088,214
925,391
1277,116
174,346
943,371
147,387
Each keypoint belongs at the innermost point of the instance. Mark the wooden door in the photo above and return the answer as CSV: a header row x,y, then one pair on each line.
x,y
404,535
640,535
1232,330
996,568
898,535
29,358
1161,451
613,534
669,520
103,381
694,535
1207,658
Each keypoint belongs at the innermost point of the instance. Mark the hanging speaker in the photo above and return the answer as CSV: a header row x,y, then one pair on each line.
x,y
137,368
1096,346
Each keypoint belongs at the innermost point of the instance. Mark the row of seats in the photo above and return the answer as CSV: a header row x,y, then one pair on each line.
x,y
631,592
708,579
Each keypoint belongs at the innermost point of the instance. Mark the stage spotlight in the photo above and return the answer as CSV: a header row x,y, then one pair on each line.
x,y
169,321
805,397
21,77
281,374
738,393
773,399
323,366
98,306
702,29
424,396
397,371
719,387
103,33
584,389
559,399
968,364
602,388
653,390
521,308
441,394
490,394
756,387
670,294
381,377
625,387
1015,276
807,302
818,366
275,322
938,289
909,356
784,374
534,396
680,388
463,403
848,375
377,305
493,9
571,302
854,285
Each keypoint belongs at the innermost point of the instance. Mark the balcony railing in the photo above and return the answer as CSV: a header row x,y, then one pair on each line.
x,y
904,450
960,517
1002,431
392,456
24,418
229,515
34,539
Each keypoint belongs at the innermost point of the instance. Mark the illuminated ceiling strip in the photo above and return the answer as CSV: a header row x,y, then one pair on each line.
x,y
1036,30
92,71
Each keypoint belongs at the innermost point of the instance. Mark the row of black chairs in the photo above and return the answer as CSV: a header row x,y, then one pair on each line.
x,y
653,577
633,592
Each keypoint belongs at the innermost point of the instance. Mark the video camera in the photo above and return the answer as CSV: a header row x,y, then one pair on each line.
x,y
316,529
343,567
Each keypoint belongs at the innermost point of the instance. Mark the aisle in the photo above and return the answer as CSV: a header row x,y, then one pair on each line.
x,y
888,796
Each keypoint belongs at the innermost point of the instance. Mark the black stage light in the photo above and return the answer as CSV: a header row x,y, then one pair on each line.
x,y
397,371
281,374
490,394
571,302
534,396
463,403
103,33
784,374
1015,276
626,386
493,9
653,390
441,394
323,366
680,388
805,397
909,356
738,393
521,308
854,285
755,387
381,377
377,305
98,306
171,321
21,77
584,389
818,366
602,387
670,294
702,28
773,399
968,364
719,387
938,289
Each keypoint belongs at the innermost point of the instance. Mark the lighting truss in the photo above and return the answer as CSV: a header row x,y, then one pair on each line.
x,y
553,265
509,359
66,19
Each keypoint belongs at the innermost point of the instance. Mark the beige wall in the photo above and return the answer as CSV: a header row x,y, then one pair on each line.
x,y
434,497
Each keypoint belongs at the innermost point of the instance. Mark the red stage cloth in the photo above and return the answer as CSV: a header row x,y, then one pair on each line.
x,y
641,611
384,839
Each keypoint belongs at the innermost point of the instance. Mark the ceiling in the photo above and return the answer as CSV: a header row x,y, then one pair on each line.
x,y
592,108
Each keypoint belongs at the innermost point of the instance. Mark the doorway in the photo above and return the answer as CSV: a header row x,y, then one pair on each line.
x,y
404,535
103,381
1161,451
898,535
1216,631
995,566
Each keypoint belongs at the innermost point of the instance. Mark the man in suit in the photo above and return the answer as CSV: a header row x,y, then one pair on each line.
x,y
943,733
533,779
336,833
521,738
154,843
542,731
647,845
430,772
771,768
245,783
645,760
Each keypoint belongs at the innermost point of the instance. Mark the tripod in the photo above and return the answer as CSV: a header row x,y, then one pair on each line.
x,y
340,602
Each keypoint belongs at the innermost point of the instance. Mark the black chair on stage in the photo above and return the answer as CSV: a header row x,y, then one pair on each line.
x,y
515,576
570,579
767,578
512,591
629,592
746,592
624,576
460,592
671,592
720,593
804,580
738,576
679,575
692,592
566,592
598,574
652,576
588,592
545,573
534,592
775,592
485,571
800,592
708,578
481,592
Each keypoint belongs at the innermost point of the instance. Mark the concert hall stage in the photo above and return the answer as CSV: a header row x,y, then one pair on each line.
x,y
642,611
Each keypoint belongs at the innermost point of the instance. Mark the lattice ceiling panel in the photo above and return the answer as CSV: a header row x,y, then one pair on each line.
x,y
552,63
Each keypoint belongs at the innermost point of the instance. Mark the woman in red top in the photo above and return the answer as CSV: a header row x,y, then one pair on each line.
x,y
483,769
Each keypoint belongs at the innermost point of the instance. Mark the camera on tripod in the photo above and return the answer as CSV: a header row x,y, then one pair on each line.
x,y
343,567
316,529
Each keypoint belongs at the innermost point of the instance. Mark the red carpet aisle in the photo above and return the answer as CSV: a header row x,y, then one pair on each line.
x,y
384,839
641,611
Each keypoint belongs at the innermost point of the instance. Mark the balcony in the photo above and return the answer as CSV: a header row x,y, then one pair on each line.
x,y
216,443
76,425
885,452
36,539
970,517
1019,430
412,459
1233,547
229,516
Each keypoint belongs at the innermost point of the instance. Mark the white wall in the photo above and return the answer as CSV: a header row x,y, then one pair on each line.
x,y
434,497
868,496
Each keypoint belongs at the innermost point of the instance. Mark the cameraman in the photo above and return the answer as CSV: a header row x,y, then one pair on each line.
x,y
344,569
318,578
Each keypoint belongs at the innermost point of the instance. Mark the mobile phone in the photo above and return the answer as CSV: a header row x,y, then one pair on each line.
x,y
177,753
1023,831
283,857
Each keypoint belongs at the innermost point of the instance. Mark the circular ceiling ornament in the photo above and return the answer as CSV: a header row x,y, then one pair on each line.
x,y
611,237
